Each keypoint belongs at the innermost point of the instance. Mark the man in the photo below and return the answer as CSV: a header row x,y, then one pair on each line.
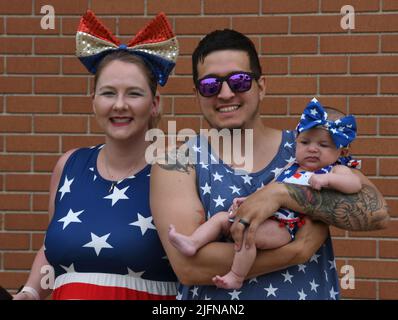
x,y
229,88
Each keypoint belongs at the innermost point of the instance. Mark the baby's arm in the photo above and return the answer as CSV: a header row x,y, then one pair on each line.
x,y
340,178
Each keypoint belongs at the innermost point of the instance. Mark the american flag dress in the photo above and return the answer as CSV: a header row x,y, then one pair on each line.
x,y
103,244
217,186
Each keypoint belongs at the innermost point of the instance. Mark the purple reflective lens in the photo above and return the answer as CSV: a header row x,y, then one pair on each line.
x,y
237,82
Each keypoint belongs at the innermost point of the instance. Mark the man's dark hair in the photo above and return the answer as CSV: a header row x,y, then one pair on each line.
x,y
226,39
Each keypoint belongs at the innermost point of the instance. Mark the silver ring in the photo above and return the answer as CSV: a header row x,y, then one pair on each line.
x,y
244,222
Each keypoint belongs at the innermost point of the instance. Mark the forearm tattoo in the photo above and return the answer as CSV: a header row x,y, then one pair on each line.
x,y
177,160
362,211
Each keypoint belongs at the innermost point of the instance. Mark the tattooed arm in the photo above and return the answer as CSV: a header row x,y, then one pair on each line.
x,y
365,210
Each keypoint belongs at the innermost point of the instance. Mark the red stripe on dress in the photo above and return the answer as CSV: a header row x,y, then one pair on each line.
x,y
84,291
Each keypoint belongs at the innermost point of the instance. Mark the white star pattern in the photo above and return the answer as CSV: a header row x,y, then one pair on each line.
x,y
235,295
288,145
204,166
219,201
98,243
314,100
71,268
195,148
179,296
314,285
194,291
315,257
217,176
247,179
287,276
70,217
291,159
206,189
333,293
302,294
301,267
253,280
92,170
133,274
277,171
117,194
270,290
235,189
65,187
314,112
143,223
332,264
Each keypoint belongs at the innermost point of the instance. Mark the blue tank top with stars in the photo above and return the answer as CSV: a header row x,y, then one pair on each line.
x,y
217,186
97,231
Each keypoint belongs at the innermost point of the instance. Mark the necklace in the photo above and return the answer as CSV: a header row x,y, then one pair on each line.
x,y
115,182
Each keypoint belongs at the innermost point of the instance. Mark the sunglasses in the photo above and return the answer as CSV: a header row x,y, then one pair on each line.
x,y
238,81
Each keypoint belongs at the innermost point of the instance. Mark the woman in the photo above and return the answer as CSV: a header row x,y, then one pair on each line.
x,y
101,241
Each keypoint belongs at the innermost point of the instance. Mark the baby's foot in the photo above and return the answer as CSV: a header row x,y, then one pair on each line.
x,y
181,242
228,281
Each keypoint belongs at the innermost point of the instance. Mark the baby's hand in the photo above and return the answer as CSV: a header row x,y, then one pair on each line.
x,y
319,181
235,205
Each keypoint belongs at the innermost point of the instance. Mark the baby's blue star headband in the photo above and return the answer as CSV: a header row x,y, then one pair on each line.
x,y
343,131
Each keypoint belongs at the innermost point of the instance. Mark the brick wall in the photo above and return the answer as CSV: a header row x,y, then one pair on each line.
x,y
45,109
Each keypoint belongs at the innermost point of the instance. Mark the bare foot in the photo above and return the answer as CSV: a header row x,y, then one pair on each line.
x,y
181,242
228,281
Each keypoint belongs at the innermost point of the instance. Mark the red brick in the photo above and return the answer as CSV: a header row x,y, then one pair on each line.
x,y
368,64
283,85
15,123
16,45
389,43
19,7
32,65
363,290
348,85
32,104
15,84
106,7
202,25
40,202
13,202
187,44
273,106
390,232
376,23
37,240
388,249
287,6
27,182
60,124
181,123
25,143
72,142
316,24
388,167
354,248
368,166
166,105
393,207
178,85
11,241
13,280
389,126
44,163
387,186
390,5
81,105
318,65
375,146
185,105
375,269
55,45
73,66
359,5
297,105
280,123
12,163
230,7
366,126
28,222
349,44
389,85
18,260
374,105
61,85
388,290
63,7
336,232
274,65
31,26
174,7
183,66
261,25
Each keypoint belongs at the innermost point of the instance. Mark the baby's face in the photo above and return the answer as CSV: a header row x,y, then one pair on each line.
x,y
315,149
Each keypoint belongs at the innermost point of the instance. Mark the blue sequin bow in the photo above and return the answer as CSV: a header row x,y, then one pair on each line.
x,y
343,131
155,44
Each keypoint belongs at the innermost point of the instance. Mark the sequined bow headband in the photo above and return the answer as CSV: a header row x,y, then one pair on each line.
x,y
155,44
343,131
